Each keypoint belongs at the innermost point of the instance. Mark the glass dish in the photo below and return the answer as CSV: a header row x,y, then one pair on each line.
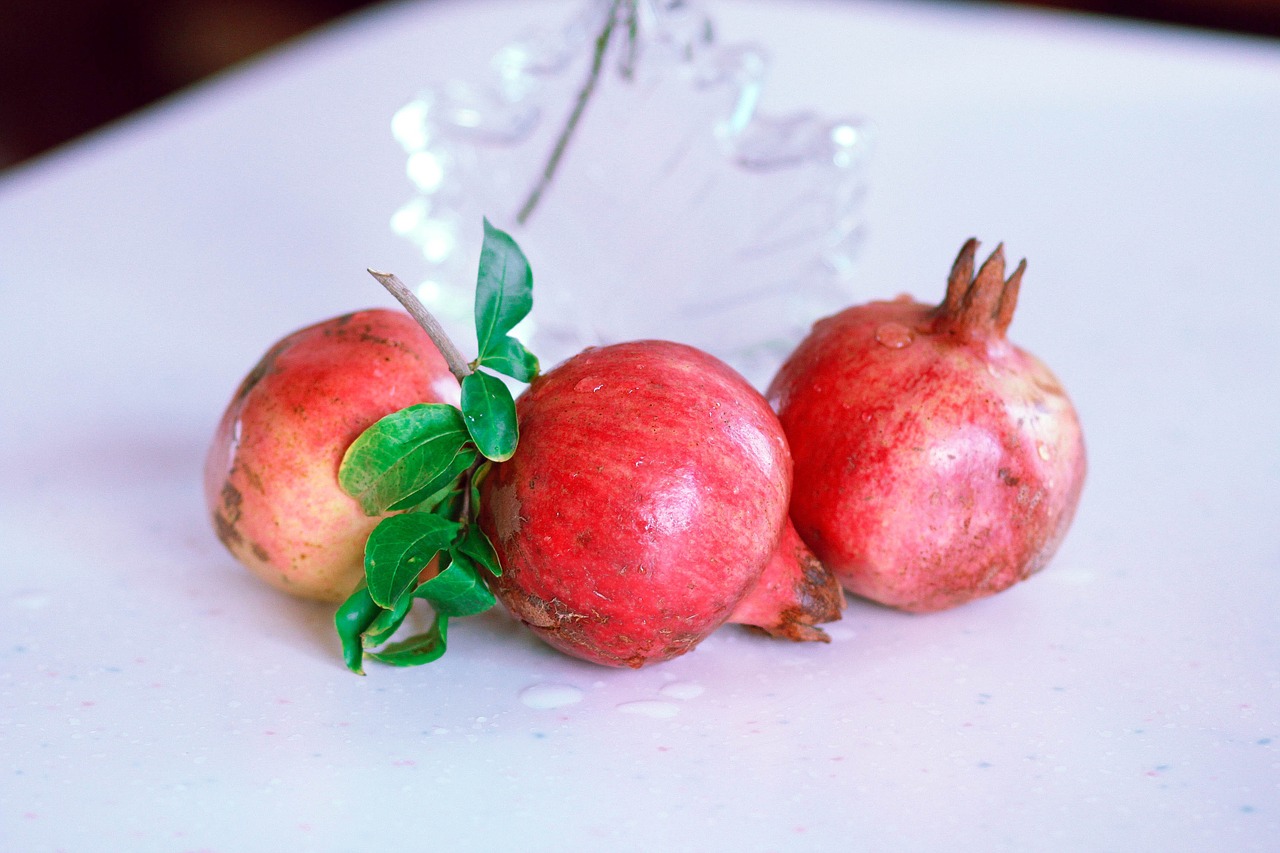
x,y
625,153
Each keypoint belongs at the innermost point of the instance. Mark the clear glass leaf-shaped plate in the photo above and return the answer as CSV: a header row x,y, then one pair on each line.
x,y
625,153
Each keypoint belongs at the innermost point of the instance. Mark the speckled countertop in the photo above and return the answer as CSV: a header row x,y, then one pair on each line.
x,y
155,697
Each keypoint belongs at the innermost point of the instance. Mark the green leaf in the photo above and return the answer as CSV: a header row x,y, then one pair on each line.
x,y
504,289
443,502
477,477
458,590
399,548
354,616
404,457
461,462
451,506
510,357
490,415
386,623
420,649
475,546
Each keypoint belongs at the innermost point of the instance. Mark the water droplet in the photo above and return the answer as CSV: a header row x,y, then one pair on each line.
x,y
31,600
589,384
650,708
546,696
1043,450
682,690
894,335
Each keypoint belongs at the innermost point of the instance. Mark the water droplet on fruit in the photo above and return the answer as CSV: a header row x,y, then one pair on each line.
x,y
682,690
893,335
546,696
650,708
589,384
1043,450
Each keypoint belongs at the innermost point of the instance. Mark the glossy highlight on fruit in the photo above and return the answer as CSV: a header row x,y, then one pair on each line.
x,y
936,462
271,474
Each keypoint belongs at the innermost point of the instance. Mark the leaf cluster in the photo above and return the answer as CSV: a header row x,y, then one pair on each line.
x,y
424,464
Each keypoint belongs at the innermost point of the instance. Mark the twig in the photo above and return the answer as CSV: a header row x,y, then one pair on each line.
x,y
453,357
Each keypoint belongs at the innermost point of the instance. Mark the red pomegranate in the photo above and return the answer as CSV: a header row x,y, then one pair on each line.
x,y
646,506
935,461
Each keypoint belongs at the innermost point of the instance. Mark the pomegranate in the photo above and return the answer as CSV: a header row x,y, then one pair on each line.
x,y
646,502
271,474
935,461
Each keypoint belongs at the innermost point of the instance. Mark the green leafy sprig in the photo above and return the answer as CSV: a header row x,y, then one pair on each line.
x,y
425,462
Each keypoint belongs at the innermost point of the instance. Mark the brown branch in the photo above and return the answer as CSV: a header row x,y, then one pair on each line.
x,y
452,355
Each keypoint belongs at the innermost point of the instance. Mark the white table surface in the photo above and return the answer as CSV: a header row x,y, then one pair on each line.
x,y
154,697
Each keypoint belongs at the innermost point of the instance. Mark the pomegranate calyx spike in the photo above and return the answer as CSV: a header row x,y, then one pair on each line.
x,y
960,279
1009,298
984,296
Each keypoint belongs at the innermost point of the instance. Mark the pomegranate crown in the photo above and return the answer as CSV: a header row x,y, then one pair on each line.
x,y
981,305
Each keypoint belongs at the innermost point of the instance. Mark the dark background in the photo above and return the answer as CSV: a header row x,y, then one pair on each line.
x,y
68,66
